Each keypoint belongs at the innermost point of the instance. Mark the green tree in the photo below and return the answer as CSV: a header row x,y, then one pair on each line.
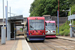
x,y
48,7
72,10
72,2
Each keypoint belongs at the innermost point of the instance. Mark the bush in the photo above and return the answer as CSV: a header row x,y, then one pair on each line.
x,y
67,32
61,33
64,29
57,34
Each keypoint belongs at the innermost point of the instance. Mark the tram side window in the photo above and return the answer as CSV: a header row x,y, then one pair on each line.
x,y
45,24
27,25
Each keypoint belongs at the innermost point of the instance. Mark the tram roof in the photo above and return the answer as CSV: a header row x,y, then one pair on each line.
x,y
36,17
16,18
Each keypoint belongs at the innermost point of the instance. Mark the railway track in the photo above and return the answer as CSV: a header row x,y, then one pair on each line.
x,y
53,44
40,46
66,43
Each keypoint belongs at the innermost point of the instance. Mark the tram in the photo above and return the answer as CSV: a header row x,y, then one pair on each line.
x,y
50,29
35,29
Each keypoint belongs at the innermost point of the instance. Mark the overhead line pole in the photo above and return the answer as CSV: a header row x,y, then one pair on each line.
x,y
3,13
8,26
3,32
58,17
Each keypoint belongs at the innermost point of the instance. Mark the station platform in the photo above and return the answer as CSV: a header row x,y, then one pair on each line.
x,y
19,44
9,45
67,38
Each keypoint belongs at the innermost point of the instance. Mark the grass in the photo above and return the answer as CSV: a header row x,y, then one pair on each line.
x,y
64,29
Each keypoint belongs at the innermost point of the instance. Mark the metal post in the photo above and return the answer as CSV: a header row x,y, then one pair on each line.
x,y
70,25
3,13
58,21
3,35
6,18
8,25
58,8
58,16
70,30
6,15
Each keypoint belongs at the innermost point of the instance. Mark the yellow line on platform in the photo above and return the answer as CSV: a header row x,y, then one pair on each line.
x,y
19,45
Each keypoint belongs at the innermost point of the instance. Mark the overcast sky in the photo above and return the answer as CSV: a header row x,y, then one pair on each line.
x,y
18,7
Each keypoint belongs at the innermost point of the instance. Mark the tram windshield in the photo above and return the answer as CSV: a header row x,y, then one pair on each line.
x,y
50,26
36,24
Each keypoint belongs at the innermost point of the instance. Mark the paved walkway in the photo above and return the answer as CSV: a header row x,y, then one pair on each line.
x,y
23,45
9,45
67,38
19,44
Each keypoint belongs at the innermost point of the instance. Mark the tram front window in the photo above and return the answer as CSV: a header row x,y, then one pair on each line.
x,y
50,26
36,24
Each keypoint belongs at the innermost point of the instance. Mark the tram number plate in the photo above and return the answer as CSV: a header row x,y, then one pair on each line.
x,y
37,33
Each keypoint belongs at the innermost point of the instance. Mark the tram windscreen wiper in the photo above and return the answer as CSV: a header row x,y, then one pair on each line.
x,y
47,28
33,28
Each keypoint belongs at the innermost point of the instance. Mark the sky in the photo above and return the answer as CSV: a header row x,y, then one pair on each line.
x,y
18,7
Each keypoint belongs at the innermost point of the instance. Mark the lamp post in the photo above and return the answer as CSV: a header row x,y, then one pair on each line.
x,y
58,17
3,32
3,13
58,8
8,25
70,23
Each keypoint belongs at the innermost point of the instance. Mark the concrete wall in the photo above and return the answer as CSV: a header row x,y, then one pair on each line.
x,y
62,20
